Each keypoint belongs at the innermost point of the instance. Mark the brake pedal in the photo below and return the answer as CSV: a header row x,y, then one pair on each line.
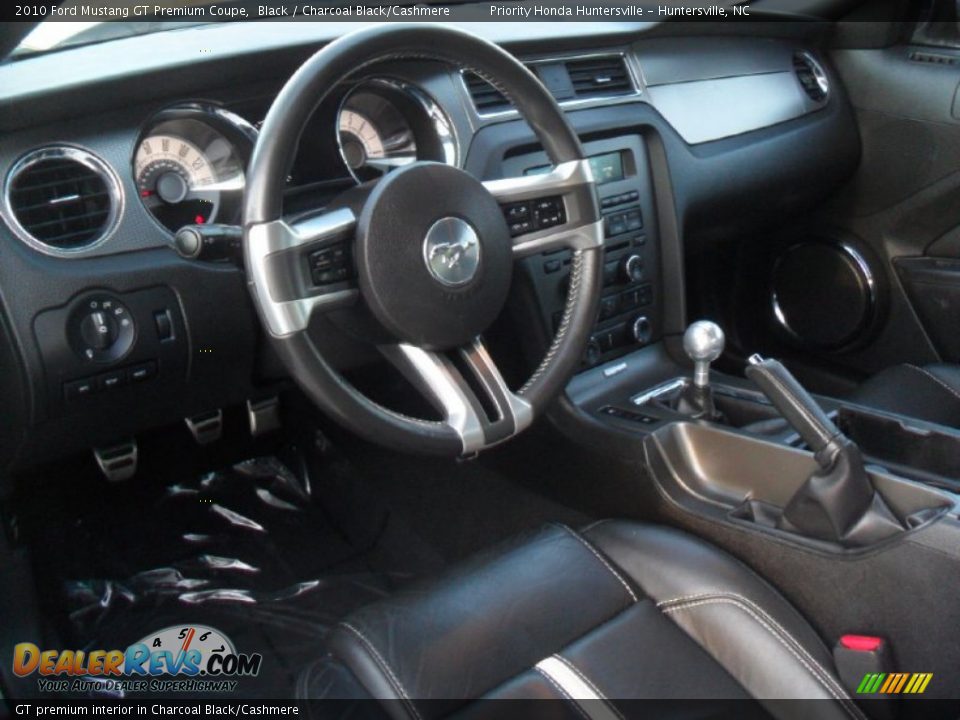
x,y
264,415
206,427
118,462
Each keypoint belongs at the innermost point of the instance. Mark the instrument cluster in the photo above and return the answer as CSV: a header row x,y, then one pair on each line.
x,y
190,160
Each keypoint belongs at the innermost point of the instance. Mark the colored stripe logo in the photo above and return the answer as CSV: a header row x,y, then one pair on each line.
x,y
894,683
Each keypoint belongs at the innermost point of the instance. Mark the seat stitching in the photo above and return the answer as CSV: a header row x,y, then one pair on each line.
x,y
563,692
589,683
606,564
394,680
710,601
735,597
926,373
813,669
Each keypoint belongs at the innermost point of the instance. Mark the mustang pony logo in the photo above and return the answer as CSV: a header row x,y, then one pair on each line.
x,y
451,251
449,254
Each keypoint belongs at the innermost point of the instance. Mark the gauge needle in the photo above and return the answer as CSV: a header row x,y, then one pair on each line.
x,y
389,163
212,191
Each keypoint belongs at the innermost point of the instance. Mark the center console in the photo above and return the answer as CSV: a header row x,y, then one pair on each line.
x,y
630,315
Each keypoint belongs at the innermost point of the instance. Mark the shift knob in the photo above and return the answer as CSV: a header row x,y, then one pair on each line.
x,y
703,342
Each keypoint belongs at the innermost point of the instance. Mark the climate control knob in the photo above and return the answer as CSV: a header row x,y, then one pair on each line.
x,y
631,269
642,330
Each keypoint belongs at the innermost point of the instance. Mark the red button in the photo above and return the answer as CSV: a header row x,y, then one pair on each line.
x,y
861,643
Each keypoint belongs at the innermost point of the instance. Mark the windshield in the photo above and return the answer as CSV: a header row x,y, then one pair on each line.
x,y
57,34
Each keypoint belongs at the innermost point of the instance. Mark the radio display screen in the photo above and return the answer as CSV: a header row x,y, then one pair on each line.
x,y
606,168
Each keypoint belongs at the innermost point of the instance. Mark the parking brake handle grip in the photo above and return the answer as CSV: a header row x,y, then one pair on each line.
x,y
798,408
838,501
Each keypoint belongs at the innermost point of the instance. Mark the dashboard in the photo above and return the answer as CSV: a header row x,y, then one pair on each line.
x,y
105,331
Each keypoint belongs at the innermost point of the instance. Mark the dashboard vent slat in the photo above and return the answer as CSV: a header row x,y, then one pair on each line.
x,y
813,79
605,76
62,199
486,97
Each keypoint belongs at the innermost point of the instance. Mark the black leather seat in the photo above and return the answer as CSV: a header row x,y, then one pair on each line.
x,y
930,393
592,619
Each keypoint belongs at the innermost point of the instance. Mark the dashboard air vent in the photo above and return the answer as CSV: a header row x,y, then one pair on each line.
x,y
62,199
486,97
601,76
812,78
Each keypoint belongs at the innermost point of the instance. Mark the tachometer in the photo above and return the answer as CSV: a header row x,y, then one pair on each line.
x,y
189,167
376,129
359,139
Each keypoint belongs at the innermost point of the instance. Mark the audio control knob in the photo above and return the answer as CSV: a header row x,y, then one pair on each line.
x,y
642,330
631,269
98,330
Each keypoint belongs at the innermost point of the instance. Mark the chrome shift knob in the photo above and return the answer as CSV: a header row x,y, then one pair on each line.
x,y
703,342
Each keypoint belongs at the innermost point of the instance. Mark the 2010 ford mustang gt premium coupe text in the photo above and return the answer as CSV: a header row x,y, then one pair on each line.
x,y
602,368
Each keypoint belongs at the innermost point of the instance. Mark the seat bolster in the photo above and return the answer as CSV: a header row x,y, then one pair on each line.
x,y
496,617
739,619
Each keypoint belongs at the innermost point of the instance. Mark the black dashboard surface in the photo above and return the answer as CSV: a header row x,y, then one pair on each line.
x,y
719,181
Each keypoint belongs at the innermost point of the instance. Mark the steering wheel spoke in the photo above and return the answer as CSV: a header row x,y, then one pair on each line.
x,y
553,211
302,267
466,386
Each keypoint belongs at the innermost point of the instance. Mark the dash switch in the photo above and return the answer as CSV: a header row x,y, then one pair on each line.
x,y
164,323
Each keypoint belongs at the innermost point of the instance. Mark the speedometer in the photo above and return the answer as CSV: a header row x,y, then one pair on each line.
x,y
359,139
189,167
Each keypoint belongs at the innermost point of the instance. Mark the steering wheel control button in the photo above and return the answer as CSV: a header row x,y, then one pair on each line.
x,y
434,273
529,216
451,251
330,265
101,329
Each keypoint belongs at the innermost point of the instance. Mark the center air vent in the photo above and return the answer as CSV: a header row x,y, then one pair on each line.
x,y
62,199
601,76
811,76
568,80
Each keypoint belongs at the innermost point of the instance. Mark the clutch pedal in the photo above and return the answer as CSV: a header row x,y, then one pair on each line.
x,y
118,462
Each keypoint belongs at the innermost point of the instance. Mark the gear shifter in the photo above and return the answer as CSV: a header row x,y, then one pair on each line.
x,y
703,342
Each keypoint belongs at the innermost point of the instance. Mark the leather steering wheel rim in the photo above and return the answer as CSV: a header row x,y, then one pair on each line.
x,y
273,249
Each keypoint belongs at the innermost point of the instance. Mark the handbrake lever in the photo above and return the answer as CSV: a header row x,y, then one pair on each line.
x,y
838,502
803,413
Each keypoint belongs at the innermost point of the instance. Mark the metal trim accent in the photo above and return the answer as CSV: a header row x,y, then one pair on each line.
x,y
572,180
287,317
459,413
866,273
84,157
819,74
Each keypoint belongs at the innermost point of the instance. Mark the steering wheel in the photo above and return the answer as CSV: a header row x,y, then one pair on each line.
x,y
432,251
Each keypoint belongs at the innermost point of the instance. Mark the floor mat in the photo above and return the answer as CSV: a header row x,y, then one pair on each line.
x,y
249,551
